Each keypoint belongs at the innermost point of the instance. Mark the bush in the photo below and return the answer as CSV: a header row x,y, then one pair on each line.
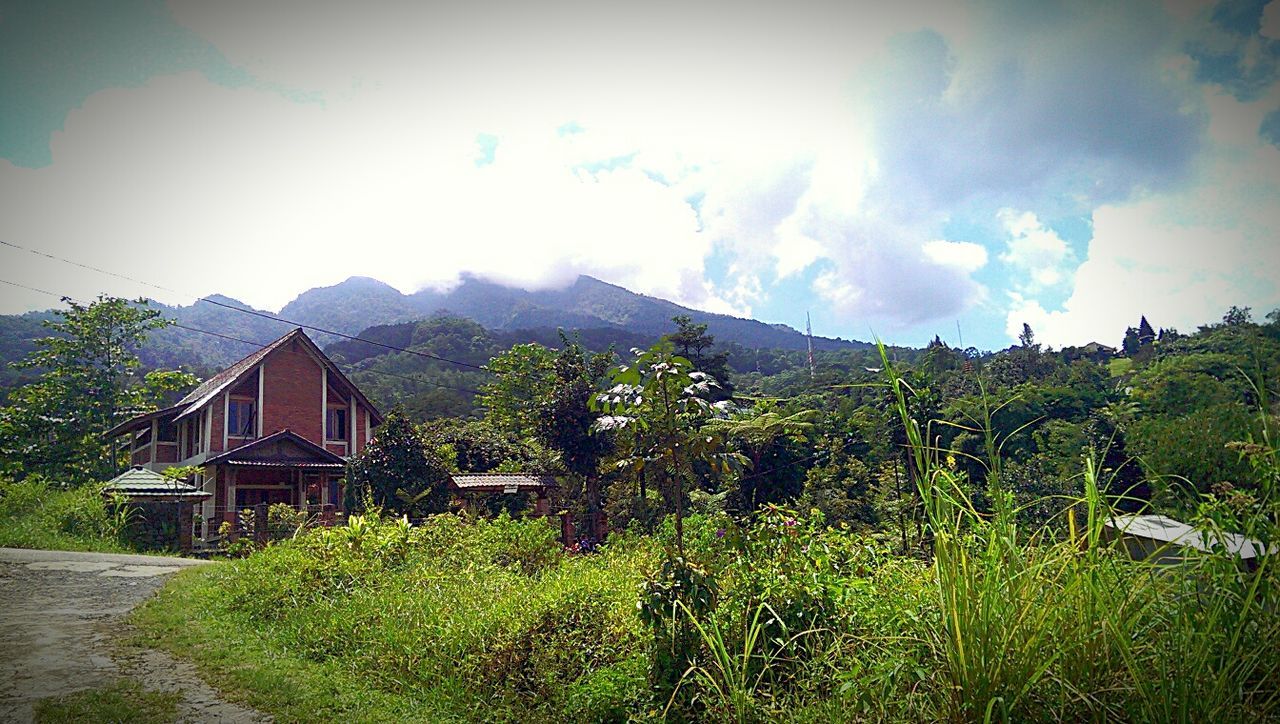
x,y
37,514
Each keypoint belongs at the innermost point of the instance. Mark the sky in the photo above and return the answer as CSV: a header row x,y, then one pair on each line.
x,y
901,169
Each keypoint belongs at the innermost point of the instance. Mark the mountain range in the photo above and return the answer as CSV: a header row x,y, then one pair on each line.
x,y
360,302
608,311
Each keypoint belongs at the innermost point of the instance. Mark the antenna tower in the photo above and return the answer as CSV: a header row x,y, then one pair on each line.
x,y
808,330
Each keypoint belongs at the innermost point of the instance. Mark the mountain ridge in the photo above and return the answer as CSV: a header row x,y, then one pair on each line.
x,y
359,303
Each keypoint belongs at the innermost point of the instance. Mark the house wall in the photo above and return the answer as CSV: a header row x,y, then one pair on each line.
x,y
167,452
215,437
293,390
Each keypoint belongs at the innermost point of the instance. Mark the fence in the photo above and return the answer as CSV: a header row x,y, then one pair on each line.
x,y
266,522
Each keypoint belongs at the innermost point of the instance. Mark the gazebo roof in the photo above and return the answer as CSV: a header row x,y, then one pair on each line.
x,y
500,483
139,482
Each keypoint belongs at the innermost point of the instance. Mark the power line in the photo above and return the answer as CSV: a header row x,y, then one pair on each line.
x,y
255,344
242,310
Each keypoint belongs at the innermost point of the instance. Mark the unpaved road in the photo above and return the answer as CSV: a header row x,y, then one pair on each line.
x,y
59,615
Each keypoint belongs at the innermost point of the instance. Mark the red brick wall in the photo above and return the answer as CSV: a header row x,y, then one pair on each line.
x,y
336,448
141,457
292,388
167,453
215,438
358,443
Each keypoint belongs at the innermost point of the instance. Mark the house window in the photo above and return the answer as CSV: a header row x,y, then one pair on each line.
x,y
240,418
335,424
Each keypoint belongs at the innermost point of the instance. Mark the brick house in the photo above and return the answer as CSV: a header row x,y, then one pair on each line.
x,y
275,427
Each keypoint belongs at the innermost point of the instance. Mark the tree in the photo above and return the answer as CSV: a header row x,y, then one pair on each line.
x,y
398,470
90,381
566,424
1146,335
763,437
544,395
1238,316
1028,338
661,400
692,342
523,379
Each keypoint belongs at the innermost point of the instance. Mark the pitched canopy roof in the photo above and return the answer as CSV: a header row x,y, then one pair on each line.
x,y
138,482
135,422
500,482
282,449
1174,532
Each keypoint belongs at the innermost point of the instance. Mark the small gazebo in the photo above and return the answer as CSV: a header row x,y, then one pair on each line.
x,y
160,500
469,485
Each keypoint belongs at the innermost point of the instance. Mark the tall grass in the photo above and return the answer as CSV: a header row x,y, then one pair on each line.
x,y
37,514
1042,626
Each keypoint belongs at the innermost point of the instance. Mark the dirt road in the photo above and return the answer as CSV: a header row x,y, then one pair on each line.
x,y
60,613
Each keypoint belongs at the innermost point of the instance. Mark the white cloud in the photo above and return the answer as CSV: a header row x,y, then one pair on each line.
x,y
1182,260
778,141
1038,257
1271,20
963,255
207,189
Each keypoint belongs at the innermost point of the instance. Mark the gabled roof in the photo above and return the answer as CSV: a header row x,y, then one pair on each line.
x,y
233,375
282,449
138,482
212,387
228,378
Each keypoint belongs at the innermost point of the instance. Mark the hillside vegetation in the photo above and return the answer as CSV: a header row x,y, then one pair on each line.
x,y
885,534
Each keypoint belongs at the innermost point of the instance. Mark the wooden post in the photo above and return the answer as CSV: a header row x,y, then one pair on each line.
x,y
568,536
326,515
260,524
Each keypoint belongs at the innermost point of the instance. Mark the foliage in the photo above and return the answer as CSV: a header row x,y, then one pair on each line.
x,y
433,619
37,514
543,396
659,400
398,470
671,601
771,442
90,381
693,342
523,379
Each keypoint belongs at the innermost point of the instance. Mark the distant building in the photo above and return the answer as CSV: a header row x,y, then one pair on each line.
x,y
1093,352
275,427
1162,539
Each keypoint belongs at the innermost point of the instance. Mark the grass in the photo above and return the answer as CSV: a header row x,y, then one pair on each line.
x,y
123,701
1044,626
466,622
438,623
36,514
252,665
491,620
1119,366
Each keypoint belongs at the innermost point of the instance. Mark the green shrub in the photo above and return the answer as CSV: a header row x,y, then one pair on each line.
x,y
37,514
